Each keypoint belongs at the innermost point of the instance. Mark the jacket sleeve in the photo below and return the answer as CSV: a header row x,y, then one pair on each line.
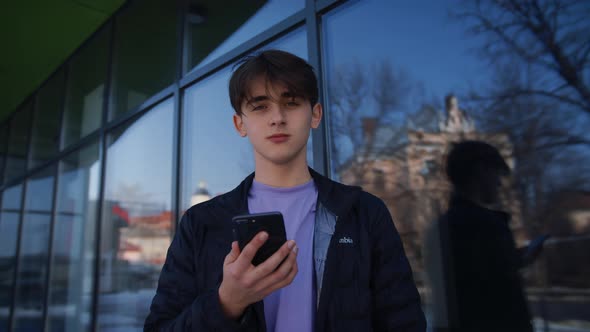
x,y
177,305
396,301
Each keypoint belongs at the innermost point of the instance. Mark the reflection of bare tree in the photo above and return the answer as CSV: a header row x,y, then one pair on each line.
x,y
550,144
540,97
368,112
541,93
372,108
549,37
357,95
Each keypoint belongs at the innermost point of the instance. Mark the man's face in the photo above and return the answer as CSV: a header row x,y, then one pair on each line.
x,y
276,123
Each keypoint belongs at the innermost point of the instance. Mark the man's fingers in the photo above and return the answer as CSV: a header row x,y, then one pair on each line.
x,y
283,275
250,250
271,264
233,254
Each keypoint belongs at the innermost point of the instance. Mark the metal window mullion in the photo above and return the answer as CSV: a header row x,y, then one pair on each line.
x,y
102,158
177,126
176,161
319,136
50,249
21,219
17,255
54,204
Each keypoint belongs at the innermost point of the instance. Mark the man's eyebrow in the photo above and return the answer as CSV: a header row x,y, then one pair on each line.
x,y
257,99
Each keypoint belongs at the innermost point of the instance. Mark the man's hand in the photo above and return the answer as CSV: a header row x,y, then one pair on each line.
x,y
244,283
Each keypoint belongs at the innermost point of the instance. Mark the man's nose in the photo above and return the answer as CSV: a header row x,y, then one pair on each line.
x,y
277,115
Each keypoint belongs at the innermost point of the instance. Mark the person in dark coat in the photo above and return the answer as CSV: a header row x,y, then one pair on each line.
x,y
472,259
343,268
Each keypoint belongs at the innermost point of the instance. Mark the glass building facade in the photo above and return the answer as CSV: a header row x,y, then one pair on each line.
x,y
97,166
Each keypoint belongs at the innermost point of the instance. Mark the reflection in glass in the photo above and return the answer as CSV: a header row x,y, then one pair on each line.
x,y
215,28
145,53
137,218
72,258
395,105
46,120
216,158
33,257
9,219
20,127
87,73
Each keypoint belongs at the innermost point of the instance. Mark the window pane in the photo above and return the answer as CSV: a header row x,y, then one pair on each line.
x,y
86,81
214,28
137,218
46,120
20,127
145,53
390,77
70,298
208,113
33,258
9,219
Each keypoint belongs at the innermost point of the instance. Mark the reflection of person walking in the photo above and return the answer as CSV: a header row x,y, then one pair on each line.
x,y
472,259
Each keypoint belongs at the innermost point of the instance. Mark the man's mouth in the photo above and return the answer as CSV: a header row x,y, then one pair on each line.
x,y
278,138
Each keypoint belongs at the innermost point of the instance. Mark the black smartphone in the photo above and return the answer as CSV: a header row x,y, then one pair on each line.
x,y
245,227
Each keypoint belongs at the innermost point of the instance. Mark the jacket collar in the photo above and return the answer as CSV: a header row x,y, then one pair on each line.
x,y
336,197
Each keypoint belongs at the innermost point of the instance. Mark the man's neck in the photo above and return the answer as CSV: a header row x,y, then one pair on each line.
x,y
282,176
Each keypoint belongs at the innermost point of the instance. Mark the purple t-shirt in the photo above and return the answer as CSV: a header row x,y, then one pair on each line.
x,y
291,308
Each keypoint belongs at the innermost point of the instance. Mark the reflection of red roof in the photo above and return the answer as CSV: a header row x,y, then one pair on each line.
x,y
157,261
121,213
128,246
162,220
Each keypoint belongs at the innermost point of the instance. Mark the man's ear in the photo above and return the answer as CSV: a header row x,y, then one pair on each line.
x,y
239,125
316,115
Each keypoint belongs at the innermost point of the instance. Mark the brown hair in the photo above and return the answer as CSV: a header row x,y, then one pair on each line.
x,y
277,67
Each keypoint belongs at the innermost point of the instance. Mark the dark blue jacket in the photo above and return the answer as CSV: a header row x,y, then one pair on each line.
x,y
364,283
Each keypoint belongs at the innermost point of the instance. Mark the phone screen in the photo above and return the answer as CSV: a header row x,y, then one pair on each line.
x,y
245,227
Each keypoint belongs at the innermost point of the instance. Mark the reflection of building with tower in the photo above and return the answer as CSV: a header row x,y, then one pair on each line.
x,y
201,194
411,179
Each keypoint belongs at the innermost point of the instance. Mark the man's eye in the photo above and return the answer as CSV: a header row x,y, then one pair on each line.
x,y
259,108
293,103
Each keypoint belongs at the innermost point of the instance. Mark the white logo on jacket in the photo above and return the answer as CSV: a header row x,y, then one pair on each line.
x,y
346,240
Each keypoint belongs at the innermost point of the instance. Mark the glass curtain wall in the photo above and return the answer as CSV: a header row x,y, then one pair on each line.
x,y
137,218
19,128
408,80
401,83
10,212
46,121
73,249
33,258
87,75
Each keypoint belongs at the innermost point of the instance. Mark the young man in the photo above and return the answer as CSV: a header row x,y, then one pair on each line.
x,y
344,268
